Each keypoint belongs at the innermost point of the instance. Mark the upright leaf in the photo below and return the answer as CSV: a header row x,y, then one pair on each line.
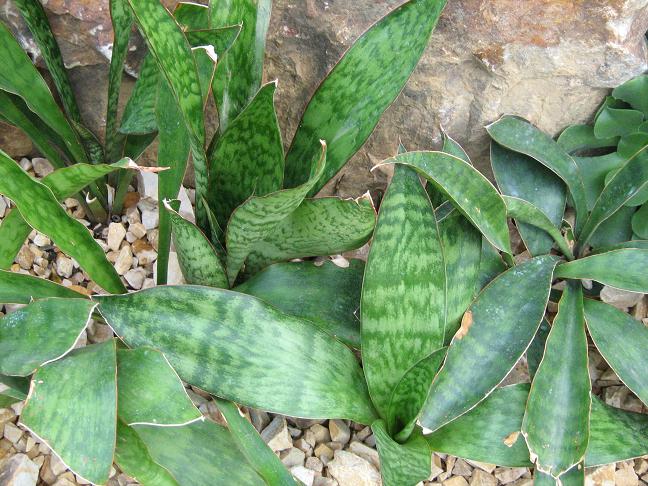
x,y
348,104
556,421
16,288
634,93
640,222
404,288
140,110
495,332
225,343
616,122
66,389
594,171
575,138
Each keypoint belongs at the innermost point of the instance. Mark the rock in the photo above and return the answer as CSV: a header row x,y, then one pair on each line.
x,y
482,478
324,453
64,266
116,234
626,476
25,258
13,140
489,468
621,299
56,465
352,470
600,476
42,167
19,470
339,431
461,468
366,452
455,481
174,276
6,415
507,475
133,215
124,260
138,230
293,457
149,212
135,278
147,185
3,206
144,252
41,240
436,467
323,481
276,434
320,433
315,464
305,476
99,333
259,418
63,482
12,433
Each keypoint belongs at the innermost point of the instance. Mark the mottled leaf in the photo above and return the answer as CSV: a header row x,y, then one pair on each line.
x,y
139,113
594,171
536,348
614,230
490,265
16,288
634,92
640,222
616,122
581,137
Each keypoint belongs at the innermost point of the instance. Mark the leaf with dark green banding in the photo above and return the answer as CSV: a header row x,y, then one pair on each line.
x,y
327,295
594,171
139,114
624,269
462,247
606,324
468,190
199,454
133,458
521,136
350,101
634,92
581,137
41,332
249,442
520,176
614,230
616,122
640,222
402,464
490,265
556,421
198,259
224,342
87,448
631,178
536,348
248,158
240,71
150,391
258,217
191,15
16,288
452,147
41,210
322,226
410,393
525,212
495,332
221,39
21,77
404,288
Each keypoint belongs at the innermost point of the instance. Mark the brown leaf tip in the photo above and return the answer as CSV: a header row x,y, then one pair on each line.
x,y
466,322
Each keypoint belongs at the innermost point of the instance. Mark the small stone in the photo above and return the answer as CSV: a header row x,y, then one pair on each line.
x,y
371,441
174,275
6,415
352,470
26,164
64,266
116,234
315,464
276,435
56,465
339,431
149,283
621,299
600,476
150,215
63,482
436,467
303,475
363,434
507,475
484,466
293,457
144,252
323,481
138,230
641,466
124,260
41,240
147,185
131,199
153,236
133,215
455,481
19,470
324,453
365,452
99,333
12,433
135,278
482,478
3,206
461,468
42,167
626,476
25,258
321,433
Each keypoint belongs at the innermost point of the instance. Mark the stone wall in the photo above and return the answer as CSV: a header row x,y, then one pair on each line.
x,y
551,61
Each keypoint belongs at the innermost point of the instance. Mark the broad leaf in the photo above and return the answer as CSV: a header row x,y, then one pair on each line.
x,y
254,220
594,171
634,92
38,205
521,136
640,222
556,422
248,158
250,443
150,391
140,110
452,147
17,387
614,230
225,343
520,176
616,122
16,288
327,295
581,137
41,332
606,324
623,269
404,288
495,332
574,477
192,15
350,101
490,265
323,226
67,389
536,348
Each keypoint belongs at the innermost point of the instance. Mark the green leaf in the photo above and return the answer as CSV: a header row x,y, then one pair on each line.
x,y
452,147
192,15
537,347
521,136
525,212
614,230
634,92
402,464
350,101
38,205
323,226
150,391
18,387
606,324
6,400
556,422
16,288
468,190
404,288
258,217
140,110
494,334
240,70
462,247
594,171
247,158
623,269
200,454
66,389
41,332
581,137
521,177
490,265
641,244
327,295
225,343
133,458
640,222
198,259
250,443
574,477
617,122
21,78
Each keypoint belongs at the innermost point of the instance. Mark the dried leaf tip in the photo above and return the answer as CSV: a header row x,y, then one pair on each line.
x,y
466,322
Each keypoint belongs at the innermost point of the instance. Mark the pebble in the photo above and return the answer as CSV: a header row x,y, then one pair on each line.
x,y
19,470
12,433
507,475
149,211
339,431
124,260
25,258
116,234
135,278
621,299
320,433
482,478
600,476
42,167
3,206
304,475
455,481
293,457
64,266
276,434
365,452
41,240
138,230
351,470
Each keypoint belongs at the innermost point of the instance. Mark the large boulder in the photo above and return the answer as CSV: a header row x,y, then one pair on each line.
x,y
551,61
